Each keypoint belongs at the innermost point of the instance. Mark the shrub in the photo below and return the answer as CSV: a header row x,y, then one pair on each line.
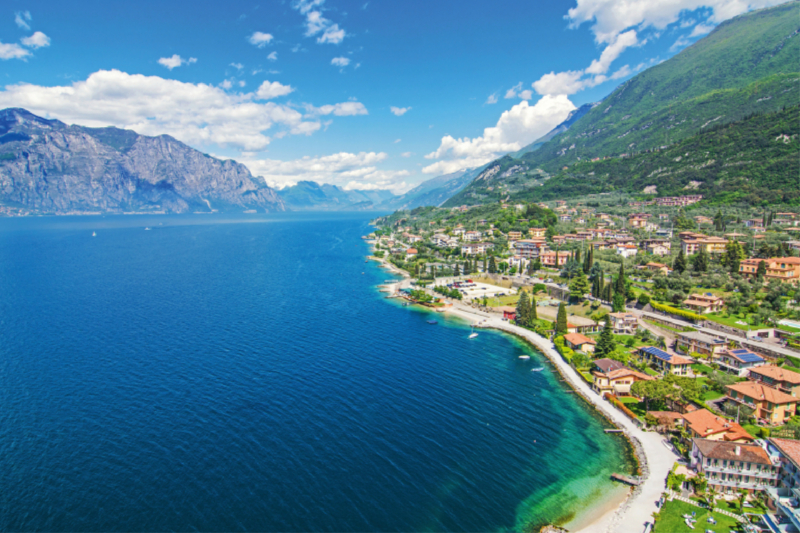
x,y
677,312
644,298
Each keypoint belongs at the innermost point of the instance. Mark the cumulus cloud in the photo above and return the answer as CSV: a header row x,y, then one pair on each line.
x,y
176,61
512,92
347,170
273,56
267,90
492,99
517,127
13,51
701,29
525,95
343,109
406,154
22,18
340,61
568,82
612,52
237,66
399,111
197,114
682,42
260,39
316,23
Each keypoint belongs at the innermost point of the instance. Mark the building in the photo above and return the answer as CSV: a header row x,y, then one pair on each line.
x,y
704,303
564,218
778,378
694,341
477,248
618,381
768,404
729,466
530,248
657,267
627,250
739,362
781,268
537,232
679,201
691,243
580,342
703,220
411,253
607,365
514,235
673,364
704,424
472,236
785,497
637,221
657,249
549,258
624,323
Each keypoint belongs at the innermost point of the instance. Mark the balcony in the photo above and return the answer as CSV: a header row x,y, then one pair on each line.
x,y
786,505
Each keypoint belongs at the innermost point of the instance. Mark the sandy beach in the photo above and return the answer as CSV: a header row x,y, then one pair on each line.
x,y
634,511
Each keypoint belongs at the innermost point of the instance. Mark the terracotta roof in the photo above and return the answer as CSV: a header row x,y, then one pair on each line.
x,y
577,339
622,372
607,365
666,414
411,251
697,303
715,449
789,448
777,373
705,423
758,391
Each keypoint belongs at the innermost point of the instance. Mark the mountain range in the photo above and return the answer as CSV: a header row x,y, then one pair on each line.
x,y
47,166
746,66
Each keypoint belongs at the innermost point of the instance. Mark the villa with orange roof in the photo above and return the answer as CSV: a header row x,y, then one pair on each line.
x,y
617,381
769,404
781,268
778,378
706,425
578,341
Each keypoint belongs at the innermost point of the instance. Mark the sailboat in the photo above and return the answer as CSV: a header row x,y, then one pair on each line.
x,y
473,334
94,234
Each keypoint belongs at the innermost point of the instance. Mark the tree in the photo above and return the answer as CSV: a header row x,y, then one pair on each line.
x,y
605,343
577,257
455,270
537,265
532,315
620,287
734,253
492,265
530,268
579,286
700,260
561,320
761,271
679,265
523,308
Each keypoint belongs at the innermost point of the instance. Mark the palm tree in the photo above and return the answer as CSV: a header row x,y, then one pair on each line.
x,y
710,497
742,497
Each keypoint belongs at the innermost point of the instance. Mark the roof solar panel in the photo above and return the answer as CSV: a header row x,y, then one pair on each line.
x,y
750,357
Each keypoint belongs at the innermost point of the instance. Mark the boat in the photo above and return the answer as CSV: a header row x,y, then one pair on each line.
x,y
147,229
94,234
473,334
433,322
537,369
523,356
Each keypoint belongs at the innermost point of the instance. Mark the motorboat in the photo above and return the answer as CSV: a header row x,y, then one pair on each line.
x,y
537,369
433,322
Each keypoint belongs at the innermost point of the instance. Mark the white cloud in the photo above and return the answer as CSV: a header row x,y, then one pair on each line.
x,y
347,170
612,52
22,18
176,61
340,61
526,94
269,90
13,51
399,111
512,92
333,35
344,109
701,29
492,99
197,114
561,83
517,127
682,42
226,84
397,141
406,154
260,39
237,66
273,56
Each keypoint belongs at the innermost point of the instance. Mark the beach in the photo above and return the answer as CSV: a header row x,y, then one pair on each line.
x,y
630,513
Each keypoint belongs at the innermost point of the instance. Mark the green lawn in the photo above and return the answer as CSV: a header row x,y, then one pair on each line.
x,y
722,318
670,519
634,405
668,328
702,369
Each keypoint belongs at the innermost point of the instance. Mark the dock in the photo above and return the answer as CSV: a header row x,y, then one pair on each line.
x,y
613,430
626,479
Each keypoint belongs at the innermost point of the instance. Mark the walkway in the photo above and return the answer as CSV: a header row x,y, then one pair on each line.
x,y
675,496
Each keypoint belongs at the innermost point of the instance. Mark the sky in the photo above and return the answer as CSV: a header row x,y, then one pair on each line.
x,y
362,94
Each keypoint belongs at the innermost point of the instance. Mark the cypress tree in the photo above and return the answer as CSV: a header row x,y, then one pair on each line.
x,y
761,271
679,265
577,256
561,320
523,308
700,260
601,285
605,343
620,287
532,315
455,270
492,265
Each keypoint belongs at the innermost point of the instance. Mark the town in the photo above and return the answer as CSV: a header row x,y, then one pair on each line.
x,y
683,317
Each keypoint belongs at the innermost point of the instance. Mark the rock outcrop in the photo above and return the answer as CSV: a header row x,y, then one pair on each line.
x,y
47,166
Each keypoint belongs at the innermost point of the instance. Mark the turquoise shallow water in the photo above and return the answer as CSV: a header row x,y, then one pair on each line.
x,y
244,374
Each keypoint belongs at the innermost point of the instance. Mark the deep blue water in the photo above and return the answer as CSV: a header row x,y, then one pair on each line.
x,y
244,374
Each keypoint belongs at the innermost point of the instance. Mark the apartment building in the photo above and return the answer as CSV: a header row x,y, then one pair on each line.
x,y
778,378
785,269
730,466
769,404
694,341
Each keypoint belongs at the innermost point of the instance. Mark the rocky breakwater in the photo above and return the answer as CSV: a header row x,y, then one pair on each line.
x,y
47,166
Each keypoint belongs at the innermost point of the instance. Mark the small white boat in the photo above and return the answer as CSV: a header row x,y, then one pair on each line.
x,y
147,229
537,369
473,335
524,356
94,234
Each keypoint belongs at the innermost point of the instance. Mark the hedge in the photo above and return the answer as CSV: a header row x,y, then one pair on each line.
x,y
675,311
619,405
566,352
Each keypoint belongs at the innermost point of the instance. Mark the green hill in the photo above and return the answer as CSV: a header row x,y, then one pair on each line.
x,y
747,65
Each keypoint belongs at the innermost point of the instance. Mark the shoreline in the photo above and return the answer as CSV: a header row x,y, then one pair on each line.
x,y
635,509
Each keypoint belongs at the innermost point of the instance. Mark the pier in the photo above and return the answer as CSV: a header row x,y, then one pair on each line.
x,y
626,479
613,430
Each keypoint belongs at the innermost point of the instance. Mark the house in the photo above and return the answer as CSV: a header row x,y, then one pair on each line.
x,y
476,248
411,253
530,247
637,221
617,382
564,218
729,466
657,249
607,365
694,341
703,220
579,342
691,243
784,498
778,378
704,424
482,222
704,303
679,201
459,230
537,232
754,223
768,404
549,258
657,267
739,362
514,235
785,269
664,362
624,323
411,238
627,250
472,236
509,313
